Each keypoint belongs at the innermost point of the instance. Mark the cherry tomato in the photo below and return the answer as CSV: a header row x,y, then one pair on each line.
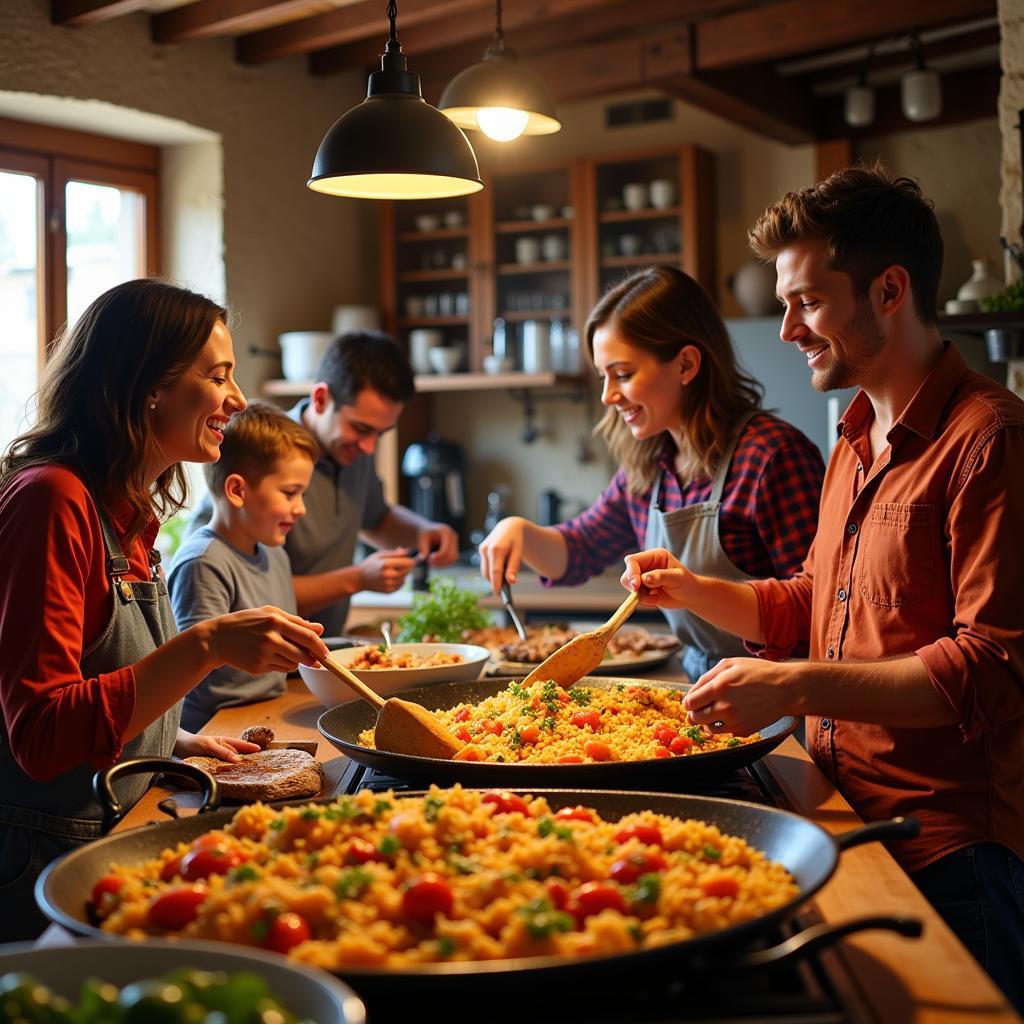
x,y
629,869
584,718
105,893
361,851
558,893
177,908
575,814
720,885
287,930
170,870
469,753
662,752
426,897
569,759
593,897
530,733
462,715
463,734
505,802
209,840
649,834
597,751
680,745
664,733
497,728
212,860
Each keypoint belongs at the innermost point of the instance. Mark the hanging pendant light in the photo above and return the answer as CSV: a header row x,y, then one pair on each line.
x,y
921,88
499,96
394,145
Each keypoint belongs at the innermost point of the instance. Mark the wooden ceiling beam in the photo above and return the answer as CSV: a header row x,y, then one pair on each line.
x,y
776,31
966,96
755,98
453,30
76,13
206,19
361,23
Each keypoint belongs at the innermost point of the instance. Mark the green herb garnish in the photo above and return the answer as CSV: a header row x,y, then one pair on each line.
x,y
695,733
389,846
309,814
443,614
647,889
580,695
277,824
243,873
445,946
711,852
542,919
380,807
734,742
431,807
353,883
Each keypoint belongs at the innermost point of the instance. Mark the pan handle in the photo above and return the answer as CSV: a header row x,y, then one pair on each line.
x,y
895,828
114,811
821,936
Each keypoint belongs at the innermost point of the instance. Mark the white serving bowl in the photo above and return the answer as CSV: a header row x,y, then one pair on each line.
x,y
306,991
331,691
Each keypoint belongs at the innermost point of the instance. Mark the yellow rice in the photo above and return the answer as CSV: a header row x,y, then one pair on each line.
x,y
497,864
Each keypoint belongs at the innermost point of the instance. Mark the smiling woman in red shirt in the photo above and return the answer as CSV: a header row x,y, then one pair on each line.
x,y
91,666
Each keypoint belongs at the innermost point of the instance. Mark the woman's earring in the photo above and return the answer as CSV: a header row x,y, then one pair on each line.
x,y
152,405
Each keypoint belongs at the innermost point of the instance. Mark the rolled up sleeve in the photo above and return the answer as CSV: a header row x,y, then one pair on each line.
x,y
979,668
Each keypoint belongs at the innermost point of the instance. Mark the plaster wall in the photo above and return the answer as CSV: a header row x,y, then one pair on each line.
x,y
289,255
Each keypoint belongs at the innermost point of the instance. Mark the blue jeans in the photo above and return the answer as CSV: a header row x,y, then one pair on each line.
x,y
979,892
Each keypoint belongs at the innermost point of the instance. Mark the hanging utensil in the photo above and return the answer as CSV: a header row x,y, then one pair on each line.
x,y
402,727
506,597
583,653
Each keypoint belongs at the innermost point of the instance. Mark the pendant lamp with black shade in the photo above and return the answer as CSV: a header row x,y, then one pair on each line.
x,y
499,96
395,145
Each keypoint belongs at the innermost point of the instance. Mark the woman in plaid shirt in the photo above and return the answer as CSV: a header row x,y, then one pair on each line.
x,y
730,490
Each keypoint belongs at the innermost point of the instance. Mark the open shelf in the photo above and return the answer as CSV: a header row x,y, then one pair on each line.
x,y
444,274
433,321
532,268
641,259
507,227
647,213
433,236
974,322
428,382
513,316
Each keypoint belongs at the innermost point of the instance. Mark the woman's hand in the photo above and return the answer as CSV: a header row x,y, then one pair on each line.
x,y
501,551
744,694
385,571
224,748
266,639
659,578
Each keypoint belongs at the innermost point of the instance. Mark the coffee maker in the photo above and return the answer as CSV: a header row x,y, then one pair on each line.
x,y
436,470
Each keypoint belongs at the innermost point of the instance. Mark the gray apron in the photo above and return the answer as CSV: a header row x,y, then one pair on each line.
x,y
39,821
691,534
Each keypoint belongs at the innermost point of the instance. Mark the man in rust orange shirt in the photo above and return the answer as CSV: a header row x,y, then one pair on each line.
x,y
911,598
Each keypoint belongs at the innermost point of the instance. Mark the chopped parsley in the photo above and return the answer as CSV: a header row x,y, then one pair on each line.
x,y
637,933
549,696
549,723
380,807
580,695
711,852
313,860
695,733
647,889
277,824
542,920
389,846
511,876
514,739
310,814
243,873
529,712
353,883
445,946
518,691
346,809
734,742
462,865
259,928
619,687
432,807
547,826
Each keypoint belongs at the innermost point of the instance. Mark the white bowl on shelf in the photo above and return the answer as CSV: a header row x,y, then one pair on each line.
x,y
331,691
427,222
301,352
497,364
445,358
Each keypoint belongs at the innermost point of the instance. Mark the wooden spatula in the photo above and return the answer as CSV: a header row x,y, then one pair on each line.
x,y
402,727
583,653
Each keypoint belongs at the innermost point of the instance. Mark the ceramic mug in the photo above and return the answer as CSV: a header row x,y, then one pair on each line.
x,y
542,211
662,193
527,249
422,342
553,248
629,245
453,219
634,196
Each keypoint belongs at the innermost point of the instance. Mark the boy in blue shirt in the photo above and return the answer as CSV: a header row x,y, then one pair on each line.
x,y
238,561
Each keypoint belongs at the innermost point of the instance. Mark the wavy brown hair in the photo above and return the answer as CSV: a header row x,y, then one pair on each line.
x,y
93,397
868,220
661,310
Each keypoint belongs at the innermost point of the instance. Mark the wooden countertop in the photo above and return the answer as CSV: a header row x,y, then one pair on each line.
x,y
931,980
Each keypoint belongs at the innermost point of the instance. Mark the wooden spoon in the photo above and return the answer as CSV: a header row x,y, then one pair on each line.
x,y
583,653
402,727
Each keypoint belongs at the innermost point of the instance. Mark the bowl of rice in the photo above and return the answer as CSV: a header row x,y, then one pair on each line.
x,y
389,671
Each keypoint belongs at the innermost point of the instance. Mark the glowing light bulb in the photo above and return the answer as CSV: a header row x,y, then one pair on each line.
x,y
503,124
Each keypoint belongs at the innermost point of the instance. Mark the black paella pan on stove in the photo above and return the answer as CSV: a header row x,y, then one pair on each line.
x,y
343,724
807,851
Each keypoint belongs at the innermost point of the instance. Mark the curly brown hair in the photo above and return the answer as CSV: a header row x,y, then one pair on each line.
x,y
91,406
868,221
660,310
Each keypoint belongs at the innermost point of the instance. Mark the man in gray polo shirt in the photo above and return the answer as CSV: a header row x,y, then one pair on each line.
x,y
362,383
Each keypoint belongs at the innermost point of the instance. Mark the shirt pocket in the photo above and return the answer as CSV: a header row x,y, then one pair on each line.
x,y
898,554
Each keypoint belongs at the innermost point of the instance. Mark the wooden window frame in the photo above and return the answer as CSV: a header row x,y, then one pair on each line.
x,y
56,156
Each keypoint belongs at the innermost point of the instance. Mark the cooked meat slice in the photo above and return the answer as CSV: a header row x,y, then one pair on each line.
x,y
266,775
261,735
